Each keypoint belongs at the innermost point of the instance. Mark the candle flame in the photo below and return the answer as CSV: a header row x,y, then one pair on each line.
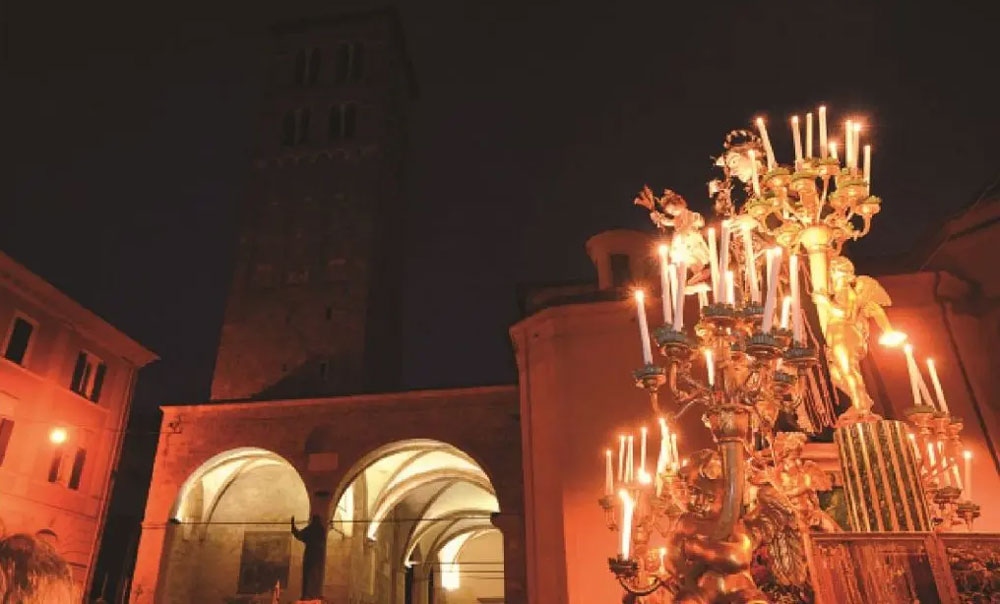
x,y
908,349
795,119
640,296
911,436
644,477
662,249
857,126
967,454
892,339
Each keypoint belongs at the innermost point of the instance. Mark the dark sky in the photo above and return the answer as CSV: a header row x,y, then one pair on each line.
x,y
127,128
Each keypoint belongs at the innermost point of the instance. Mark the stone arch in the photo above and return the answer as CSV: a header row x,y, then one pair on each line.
x,y
228,535
415,503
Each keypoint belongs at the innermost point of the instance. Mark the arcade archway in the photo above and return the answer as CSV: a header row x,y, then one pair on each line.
x,y
228,539
413,525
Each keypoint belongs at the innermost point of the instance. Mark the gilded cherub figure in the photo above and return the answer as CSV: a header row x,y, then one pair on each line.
x,y
844,315
671,212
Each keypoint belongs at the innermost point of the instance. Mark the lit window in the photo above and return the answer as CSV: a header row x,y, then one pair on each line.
x,y
18,338
66,470
88,376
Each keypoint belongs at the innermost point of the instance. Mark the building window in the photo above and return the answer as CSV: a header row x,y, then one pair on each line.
x,y
88,376
18,339
349,62
77,471
343,121
621,272
55,466
6,429
295,127
306,70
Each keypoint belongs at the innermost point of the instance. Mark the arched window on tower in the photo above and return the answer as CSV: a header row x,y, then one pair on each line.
x,y
314,65
288,128
343,121
349,62
299,75
303,129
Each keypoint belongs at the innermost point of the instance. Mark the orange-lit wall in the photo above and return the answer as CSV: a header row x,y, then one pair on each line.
x,y
36,395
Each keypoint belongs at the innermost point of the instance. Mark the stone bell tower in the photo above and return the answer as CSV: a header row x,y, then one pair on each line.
x,y
313,308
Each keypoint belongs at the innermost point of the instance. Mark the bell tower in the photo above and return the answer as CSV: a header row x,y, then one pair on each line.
x,y
313,308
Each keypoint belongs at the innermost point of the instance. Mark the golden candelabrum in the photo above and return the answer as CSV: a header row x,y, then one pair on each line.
x,y
689,527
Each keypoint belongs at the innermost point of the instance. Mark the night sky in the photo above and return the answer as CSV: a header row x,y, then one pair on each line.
x,y
127,129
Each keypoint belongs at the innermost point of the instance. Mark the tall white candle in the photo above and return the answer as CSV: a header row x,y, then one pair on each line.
x,y
668,300
773,258
798,335
956,478
724,259
642,451
665,442
673,449
786,310
855,138
848,142
730,289
931,458
938,390
754,177
627,510
767,143
868,165
911,367
609,481
822,131
968,474
751,272
713,264
833,149
630,460
797,139
945,478
809,134
681,271
621,458
647,348
710,367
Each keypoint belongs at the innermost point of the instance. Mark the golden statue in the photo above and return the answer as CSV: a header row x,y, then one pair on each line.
x,y
844,315
799,480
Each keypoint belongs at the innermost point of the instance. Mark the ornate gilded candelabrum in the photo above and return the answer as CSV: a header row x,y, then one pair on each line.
x,y
689,527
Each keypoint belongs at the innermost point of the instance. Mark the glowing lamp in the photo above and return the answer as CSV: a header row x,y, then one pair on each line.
x,y
58,436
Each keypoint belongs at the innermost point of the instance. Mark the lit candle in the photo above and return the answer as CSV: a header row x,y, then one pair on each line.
x,y
868,165
956,479
968,474
754,178
630,460
627,510
751,265
663,554
673,449
642,451
809,134
833,150
911,367
822,131
710,366
773,257
767,143
798,335
702,299
665,442
848,142
945,478
730,289
665,283
647,348
609,479
854,141
681,271
938,390
621,458
713,263
931,460
786,308
797,139
724,252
